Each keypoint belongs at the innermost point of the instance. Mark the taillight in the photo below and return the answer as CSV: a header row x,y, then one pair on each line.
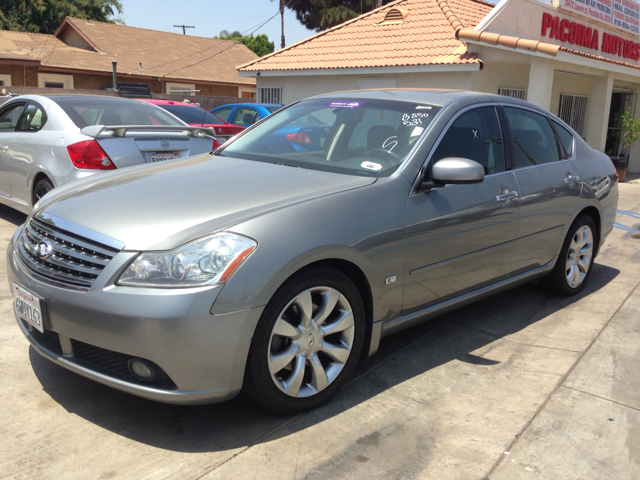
x,y
89,154
216,143
299,138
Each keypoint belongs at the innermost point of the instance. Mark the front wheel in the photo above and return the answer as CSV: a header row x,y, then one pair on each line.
x,y
574,264
307,342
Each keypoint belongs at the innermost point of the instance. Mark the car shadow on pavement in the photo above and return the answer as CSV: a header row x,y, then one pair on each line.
x,y
10,215
239,422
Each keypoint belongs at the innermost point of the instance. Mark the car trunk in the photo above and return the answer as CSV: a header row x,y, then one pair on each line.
x,y
136,148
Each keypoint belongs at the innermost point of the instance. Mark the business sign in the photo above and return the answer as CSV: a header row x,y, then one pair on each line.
x,y
576,33
626,16
622,14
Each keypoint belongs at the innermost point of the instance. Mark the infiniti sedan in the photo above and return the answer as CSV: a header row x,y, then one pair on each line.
x,y
48,141
271,270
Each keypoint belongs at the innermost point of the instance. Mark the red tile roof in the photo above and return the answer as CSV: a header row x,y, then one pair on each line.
x,y
426,36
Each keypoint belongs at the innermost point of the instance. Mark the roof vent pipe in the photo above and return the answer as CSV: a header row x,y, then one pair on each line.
x,y
114,74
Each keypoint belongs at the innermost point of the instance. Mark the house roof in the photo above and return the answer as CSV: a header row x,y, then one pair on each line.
x,y
92,46
426,36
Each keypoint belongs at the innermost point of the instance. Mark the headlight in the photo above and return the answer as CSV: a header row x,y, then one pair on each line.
x,y
205,261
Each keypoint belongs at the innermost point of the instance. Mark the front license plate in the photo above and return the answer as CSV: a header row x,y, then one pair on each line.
x,y
162,156
27,306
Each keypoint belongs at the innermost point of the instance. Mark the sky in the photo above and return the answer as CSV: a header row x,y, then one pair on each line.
x,y
212,16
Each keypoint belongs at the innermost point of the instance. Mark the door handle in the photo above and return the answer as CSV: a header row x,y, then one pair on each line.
x,y
506,196
572,179
4,147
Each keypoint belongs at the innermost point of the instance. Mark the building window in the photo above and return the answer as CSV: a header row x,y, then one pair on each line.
x,y
54,80
179,88
270,95
513,93
5,80
573,110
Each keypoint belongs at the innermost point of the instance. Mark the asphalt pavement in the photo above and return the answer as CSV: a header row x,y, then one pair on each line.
x,y
521,385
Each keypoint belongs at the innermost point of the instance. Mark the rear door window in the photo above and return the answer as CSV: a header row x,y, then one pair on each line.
x,y
533,138
223,113
474,135
566,138
33,118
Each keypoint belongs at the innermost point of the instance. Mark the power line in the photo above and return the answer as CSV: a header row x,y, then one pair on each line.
x,y
204,59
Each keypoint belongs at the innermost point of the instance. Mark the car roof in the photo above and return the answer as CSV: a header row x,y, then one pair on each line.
x,y
249,105
430,96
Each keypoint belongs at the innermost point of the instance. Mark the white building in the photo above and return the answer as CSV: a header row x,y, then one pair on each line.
x,y
580,59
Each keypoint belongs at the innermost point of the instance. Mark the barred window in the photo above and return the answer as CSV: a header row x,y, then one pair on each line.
x,y
573,110
270,95
513,93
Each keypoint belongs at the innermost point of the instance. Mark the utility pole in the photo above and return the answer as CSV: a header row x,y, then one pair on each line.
x,y
184,28
282,22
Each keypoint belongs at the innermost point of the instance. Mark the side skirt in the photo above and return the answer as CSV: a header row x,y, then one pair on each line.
x,y
428,313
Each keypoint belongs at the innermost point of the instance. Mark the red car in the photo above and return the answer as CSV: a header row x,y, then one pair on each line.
x,y
198,117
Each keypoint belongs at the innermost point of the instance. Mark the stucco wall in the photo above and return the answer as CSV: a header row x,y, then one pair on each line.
x,y
497,75
295,87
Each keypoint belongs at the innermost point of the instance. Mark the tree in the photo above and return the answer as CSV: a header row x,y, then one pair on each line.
x,y
45,16
628,129
319,15
260,44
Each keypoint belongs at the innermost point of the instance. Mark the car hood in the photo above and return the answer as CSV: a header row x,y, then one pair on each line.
x,y
161,206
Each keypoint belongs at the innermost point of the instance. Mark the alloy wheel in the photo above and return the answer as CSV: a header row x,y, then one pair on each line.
x,y
579,256
311,341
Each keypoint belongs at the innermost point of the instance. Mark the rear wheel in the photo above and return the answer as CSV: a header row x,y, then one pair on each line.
x,y
307,342
43,186
574,264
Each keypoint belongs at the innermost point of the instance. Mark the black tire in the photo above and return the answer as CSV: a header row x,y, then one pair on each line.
x,y
268,389
42,187
557,281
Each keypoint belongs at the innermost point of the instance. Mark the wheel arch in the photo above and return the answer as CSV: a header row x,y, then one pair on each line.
x,y
594,213
40,175
360,280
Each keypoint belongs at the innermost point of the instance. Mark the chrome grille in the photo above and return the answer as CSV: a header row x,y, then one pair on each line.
x,y
74,261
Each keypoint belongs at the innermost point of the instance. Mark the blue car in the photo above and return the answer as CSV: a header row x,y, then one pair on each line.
x,y
245,114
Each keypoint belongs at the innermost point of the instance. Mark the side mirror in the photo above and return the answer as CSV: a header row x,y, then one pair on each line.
x,y
454,170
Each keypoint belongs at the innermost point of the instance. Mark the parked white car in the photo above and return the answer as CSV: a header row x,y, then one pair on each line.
x,y
46,141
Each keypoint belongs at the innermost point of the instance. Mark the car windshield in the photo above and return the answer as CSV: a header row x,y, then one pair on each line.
x,y
192,114
357,137
273,109
85,111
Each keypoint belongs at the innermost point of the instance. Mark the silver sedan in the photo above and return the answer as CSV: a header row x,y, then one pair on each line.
x,y
275,263
48,141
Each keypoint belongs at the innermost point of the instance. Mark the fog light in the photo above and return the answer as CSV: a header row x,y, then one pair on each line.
x,y
143,370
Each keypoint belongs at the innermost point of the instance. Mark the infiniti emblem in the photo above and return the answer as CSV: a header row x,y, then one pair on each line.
x,y
312,341
165,145
44,250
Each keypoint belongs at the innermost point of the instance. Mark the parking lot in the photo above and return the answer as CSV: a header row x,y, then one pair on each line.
x,y
521,385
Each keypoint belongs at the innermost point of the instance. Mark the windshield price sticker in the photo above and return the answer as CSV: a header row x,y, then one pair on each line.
x,y
413,119
371,166
27,306
345,104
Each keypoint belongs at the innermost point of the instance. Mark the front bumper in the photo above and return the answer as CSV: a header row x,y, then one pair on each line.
x,y
202,355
